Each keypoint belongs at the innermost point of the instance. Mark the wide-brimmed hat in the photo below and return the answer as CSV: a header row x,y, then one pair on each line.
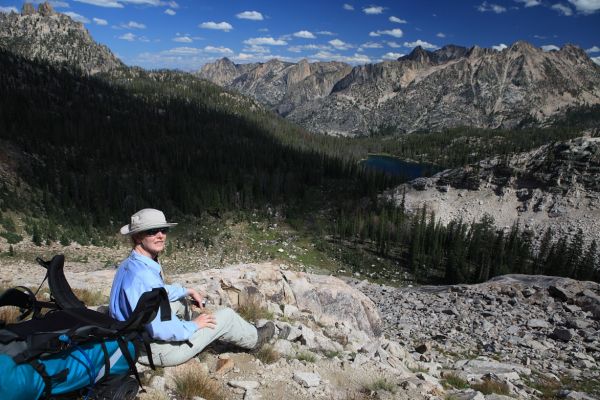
x,y
145,219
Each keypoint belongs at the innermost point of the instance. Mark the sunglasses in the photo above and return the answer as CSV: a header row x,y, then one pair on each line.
x,y
153,232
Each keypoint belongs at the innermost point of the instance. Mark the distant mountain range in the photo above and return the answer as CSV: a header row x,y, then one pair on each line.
x,y
424,91
520,86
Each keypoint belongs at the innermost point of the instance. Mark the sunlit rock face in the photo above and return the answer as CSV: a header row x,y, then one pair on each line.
x,y
521,85
53,37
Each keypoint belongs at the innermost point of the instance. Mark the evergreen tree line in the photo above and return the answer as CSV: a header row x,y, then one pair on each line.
x,y
462,252
99,149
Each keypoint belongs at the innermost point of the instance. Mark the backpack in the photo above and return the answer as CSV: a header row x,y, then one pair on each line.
x,y
72,350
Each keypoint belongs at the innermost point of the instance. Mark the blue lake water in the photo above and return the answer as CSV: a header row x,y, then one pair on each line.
x,y
398,167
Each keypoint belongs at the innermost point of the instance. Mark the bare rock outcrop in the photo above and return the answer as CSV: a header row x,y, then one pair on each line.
x,y
556,185
55,38
329,300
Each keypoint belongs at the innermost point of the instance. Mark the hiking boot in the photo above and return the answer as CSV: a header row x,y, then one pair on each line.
x,y
265,333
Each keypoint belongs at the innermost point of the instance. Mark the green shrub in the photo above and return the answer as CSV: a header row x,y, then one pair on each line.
x,y
11,237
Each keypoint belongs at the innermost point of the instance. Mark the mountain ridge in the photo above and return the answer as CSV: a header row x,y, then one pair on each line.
x,y
453,86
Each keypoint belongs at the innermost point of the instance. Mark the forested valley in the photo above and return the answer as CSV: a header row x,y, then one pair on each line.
x,y
89,151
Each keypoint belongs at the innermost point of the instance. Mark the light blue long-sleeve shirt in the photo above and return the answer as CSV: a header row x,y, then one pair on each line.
x,y
138,274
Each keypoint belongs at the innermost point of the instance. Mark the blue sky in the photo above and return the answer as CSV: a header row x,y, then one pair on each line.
x,y
186,34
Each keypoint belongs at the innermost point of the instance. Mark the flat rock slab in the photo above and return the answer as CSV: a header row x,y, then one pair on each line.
x,y
307,379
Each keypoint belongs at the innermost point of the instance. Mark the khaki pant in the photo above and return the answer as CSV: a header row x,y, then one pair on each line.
x,y
231,328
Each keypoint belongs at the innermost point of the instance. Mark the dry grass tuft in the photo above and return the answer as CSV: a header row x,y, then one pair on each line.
x,y
491,387
268,355
9,314
89,297
454,381
380,384
253,311
191,381
153,394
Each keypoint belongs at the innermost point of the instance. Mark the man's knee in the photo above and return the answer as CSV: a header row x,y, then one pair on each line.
x,y
226,313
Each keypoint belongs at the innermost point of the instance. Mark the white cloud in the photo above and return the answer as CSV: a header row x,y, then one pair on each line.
x,y
183,51
397,33
183,39
348,7
596,60
397,20
394,45
220,26
133,25
268,41
339,44
441,35
488,7
298,49
529,3
586,6
421,43
77,17
255,49
120,3
562,9
392,56
251,15
305,35
371,45
8,10
355,59
326,33
500,47
100,21
168,11
130,37
103,3
373,10
550,47
218,50
244,57
594,49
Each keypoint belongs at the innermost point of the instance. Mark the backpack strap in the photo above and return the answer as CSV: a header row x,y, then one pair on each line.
x,y
48,380
59,287
129,359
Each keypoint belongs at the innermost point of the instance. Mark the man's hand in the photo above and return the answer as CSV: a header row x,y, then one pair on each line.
x,y
206,321
196,297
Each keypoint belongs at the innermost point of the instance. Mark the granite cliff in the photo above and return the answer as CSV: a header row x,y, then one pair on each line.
x,y
426,90
55,38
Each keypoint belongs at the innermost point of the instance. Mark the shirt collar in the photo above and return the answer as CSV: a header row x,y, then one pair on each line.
x,y
146,260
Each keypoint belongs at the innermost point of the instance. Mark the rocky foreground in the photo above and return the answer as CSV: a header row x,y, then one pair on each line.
x,y
526,337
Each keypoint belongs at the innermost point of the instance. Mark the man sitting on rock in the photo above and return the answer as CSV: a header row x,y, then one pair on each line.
x,y
141,272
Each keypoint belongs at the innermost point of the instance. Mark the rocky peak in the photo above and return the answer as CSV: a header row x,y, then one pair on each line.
x,y
522,46
55,38
419,55
575,53
476,52
45,9
27,9
449,52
